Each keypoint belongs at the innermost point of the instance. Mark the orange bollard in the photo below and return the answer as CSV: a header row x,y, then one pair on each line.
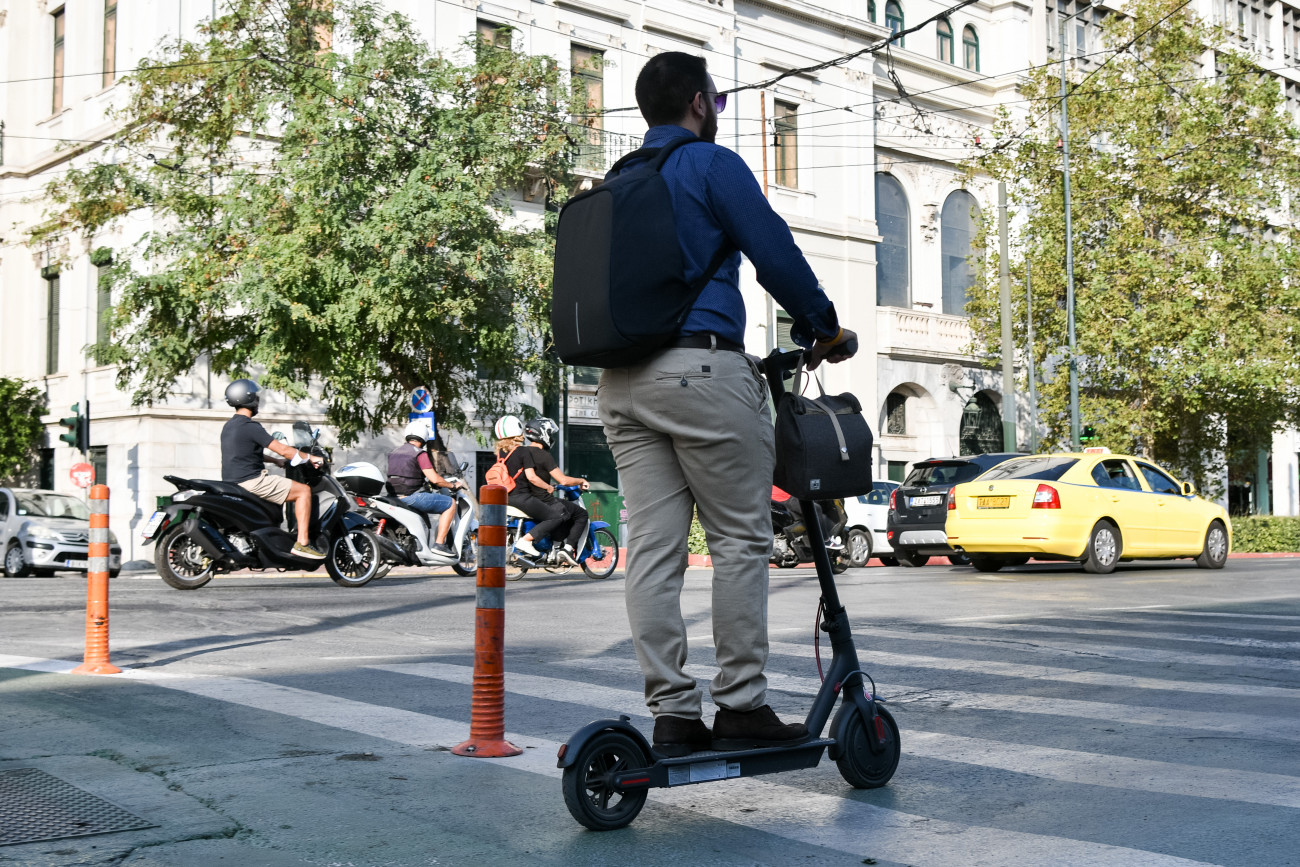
x,y
487,715
96,660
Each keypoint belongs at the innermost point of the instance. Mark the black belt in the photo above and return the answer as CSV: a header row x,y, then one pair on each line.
x,y
704,341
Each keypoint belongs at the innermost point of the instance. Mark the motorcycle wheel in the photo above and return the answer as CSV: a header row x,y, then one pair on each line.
x,y
605,566
346,571
467,565
181,563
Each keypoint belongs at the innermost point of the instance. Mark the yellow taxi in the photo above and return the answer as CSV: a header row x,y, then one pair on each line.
x,y
1093,506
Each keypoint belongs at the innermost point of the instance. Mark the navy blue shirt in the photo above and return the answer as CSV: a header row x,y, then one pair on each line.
x,y
242,441
717,201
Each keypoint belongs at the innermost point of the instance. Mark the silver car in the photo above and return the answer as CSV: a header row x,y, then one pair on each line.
x,y
43,532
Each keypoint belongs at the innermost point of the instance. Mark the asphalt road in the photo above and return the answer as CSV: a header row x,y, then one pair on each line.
x,y
1048,717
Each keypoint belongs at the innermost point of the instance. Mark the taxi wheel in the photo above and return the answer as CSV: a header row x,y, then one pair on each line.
x,y
1215,553
983,565
1104,549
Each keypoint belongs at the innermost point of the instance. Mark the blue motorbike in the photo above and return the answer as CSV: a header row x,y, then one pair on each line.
x,y
598,557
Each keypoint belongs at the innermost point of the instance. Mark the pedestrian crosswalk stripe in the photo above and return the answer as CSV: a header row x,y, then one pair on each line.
x,y
830,821
1005,630
1066,765
901,695
1128,621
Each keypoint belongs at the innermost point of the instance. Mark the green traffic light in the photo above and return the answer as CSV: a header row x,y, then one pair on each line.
x,y
78,426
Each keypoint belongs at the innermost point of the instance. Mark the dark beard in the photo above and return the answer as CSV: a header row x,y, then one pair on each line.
x,y
710,130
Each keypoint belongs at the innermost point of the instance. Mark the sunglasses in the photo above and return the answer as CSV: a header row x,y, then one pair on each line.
x,y
719,102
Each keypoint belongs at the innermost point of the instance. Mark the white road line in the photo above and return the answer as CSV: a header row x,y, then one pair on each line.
x,y
821,820
1226,614
1166,623
1083,648
871,658
1253,643
1278,728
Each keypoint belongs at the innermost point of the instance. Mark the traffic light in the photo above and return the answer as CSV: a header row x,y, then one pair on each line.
x,y
1088,434
78,425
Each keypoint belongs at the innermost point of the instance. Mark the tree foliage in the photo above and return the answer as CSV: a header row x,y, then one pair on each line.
x,y
21,431
1184,170
329,200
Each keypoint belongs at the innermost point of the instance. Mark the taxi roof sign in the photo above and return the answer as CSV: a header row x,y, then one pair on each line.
x,y
1096,450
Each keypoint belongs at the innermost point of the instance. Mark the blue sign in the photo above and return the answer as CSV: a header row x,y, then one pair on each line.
x,y
412,416
421,400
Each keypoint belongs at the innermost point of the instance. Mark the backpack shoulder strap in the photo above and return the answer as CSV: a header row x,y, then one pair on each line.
x,y
656,156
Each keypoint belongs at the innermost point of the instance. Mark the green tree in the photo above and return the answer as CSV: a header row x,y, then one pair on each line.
x,y
20,427
1184,170
342,214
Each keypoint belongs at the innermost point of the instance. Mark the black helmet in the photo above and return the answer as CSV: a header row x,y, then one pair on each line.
x,y
541,430
242,394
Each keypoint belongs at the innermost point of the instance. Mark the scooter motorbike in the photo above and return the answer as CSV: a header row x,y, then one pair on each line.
x,y
608,767
406,534
598,557
212,527
790,545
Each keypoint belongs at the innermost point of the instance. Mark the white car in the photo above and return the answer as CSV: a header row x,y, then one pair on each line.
x,y
42,532
868,514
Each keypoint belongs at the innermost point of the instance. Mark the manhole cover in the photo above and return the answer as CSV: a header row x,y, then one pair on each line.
x,y
37,806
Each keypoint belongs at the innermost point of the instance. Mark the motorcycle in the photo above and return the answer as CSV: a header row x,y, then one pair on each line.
x,y
598,557
407,534
212,527
790,544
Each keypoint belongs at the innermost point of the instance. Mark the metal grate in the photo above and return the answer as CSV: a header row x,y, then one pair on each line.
x,y
36,806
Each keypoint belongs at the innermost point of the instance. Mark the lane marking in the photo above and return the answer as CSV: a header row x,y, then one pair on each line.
x,y
1255,643
828,821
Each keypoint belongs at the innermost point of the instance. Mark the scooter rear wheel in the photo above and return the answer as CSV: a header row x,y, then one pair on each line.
x,y
859,766
181,562
588,783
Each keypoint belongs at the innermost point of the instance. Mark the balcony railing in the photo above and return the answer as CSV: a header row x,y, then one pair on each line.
x,y
919,333
596,150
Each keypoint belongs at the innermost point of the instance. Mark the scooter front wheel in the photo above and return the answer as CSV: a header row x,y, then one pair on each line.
x,y
608,562
588,783
354,559
859,766
467,565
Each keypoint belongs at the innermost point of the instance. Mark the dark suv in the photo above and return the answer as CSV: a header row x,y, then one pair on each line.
x,y
919,509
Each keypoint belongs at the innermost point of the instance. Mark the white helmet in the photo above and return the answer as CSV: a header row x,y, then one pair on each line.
x,y
508,427
420,429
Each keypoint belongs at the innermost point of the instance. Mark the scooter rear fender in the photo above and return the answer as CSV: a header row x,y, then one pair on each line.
x,y
569,752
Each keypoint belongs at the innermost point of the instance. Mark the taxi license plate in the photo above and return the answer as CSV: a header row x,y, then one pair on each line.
x,y
155,521
932,500
992,502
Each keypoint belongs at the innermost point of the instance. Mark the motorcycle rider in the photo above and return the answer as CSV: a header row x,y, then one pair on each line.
x,y
539,478
409,466
242,443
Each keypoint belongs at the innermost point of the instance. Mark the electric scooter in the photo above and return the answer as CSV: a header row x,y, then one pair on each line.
x,y
609,766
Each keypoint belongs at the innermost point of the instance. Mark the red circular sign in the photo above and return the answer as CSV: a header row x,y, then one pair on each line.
x,y
82,475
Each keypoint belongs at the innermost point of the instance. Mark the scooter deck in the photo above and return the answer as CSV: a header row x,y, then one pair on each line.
x,y
707,766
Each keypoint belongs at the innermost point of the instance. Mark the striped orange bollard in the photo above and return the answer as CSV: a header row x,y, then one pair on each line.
x,y
96,660
487,715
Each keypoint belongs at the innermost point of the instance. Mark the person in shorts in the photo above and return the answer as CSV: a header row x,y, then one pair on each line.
x,y
243,442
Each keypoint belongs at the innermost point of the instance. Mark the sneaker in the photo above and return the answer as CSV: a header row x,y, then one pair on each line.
x,y
834,544
737,730
444,549
568,556
524,546
677,736
307,552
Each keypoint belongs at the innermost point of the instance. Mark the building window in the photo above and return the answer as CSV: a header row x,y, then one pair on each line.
x,y
784,325
871,10
494,35
894,18
103,305
944,31
981,426
45,473
896,414
896,471
970,44
586,375
1080,17
52,322
959,220
110,42
99,463
893,259
60,22
785,120
587,69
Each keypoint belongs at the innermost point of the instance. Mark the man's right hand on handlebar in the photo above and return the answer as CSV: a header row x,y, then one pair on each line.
x,y
835,349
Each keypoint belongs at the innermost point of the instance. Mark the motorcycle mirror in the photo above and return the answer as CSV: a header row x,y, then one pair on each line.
x,y
464,465
279,437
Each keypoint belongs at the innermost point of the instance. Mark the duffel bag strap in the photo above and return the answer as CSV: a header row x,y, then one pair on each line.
x,y
835,422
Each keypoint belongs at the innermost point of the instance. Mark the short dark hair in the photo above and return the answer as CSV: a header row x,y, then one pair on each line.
x,y
667,84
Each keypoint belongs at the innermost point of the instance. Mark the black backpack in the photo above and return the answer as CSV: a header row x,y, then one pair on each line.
x,y
619,292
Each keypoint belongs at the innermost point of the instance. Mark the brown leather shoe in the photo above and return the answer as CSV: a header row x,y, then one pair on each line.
x,y
677,736
737,730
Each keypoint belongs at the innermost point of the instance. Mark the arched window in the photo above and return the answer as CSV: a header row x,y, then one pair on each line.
x,y
958,219
893,259
981,426
894,18
970,44
871,10
944,30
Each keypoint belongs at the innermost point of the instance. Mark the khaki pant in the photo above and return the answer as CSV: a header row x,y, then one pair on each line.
x,y
690,428
274,489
